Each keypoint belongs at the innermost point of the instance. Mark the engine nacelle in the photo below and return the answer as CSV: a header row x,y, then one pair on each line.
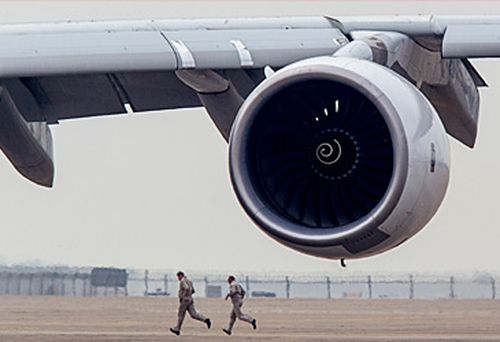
x,y
339,157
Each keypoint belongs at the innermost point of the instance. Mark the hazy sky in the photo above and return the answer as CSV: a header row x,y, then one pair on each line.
x,y
152,190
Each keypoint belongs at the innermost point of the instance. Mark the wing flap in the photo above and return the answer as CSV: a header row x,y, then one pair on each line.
x,y
61,97
74,96
156,90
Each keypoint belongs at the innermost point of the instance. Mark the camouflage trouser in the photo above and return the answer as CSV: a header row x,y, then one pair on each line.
x,y
237,314
187,304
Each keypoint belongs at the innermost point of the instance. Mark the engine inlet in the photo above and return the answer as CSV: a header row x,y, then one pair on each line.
x,y
320,154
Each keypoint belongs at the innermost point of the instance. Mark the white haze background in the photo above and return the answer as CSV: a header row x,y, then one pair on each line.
x,y
153,191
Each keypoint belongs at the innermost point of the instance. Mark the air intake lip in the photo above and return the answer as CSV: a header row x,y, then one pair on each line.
x,y
286,192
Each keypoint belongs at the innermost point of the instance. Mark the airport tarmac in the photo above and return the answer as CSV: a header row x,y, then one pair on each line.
x,y
56,319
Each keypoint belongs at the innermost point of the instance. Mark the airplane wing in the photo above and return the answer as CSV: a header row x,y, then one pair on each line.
x,y
56,71
84,69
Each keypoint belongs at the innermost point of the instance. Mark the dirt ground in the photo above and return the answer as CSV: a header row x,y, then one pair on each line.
x,y
55,319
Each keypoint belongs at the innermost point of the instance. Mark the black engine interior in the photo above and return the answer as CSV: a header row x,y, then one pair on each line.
x,y
320,154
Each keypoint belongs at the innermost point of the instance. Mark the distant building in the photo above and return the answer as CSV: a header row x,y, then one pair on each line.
x,y
106,278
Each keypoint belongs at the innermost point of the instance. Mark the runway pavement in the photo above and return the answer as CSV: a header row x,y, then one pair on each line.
x,y
56,319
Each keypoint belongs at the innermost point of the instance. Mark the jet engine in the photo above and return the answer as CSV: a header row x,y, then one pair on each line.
x,y
339,157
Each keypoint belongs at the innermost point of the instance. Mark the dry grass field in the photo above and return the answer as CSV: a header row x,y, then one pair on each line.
x,y
54,319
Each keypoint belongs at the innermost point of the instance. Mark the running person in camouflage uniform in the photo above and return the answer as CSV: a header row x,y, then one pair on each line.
x,y
237,293
186,303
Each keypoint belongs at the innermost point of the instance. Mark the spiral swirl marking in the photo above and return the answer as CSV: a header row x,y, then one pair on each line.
x,y
329,154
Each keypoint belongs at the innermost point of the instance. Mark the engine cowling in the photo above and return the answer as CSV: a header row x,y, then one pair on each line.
x,y
339,158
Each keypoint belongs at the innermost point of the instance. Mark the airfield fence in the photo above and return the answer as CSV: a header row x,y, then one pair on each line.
x,y
69,282
333,287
